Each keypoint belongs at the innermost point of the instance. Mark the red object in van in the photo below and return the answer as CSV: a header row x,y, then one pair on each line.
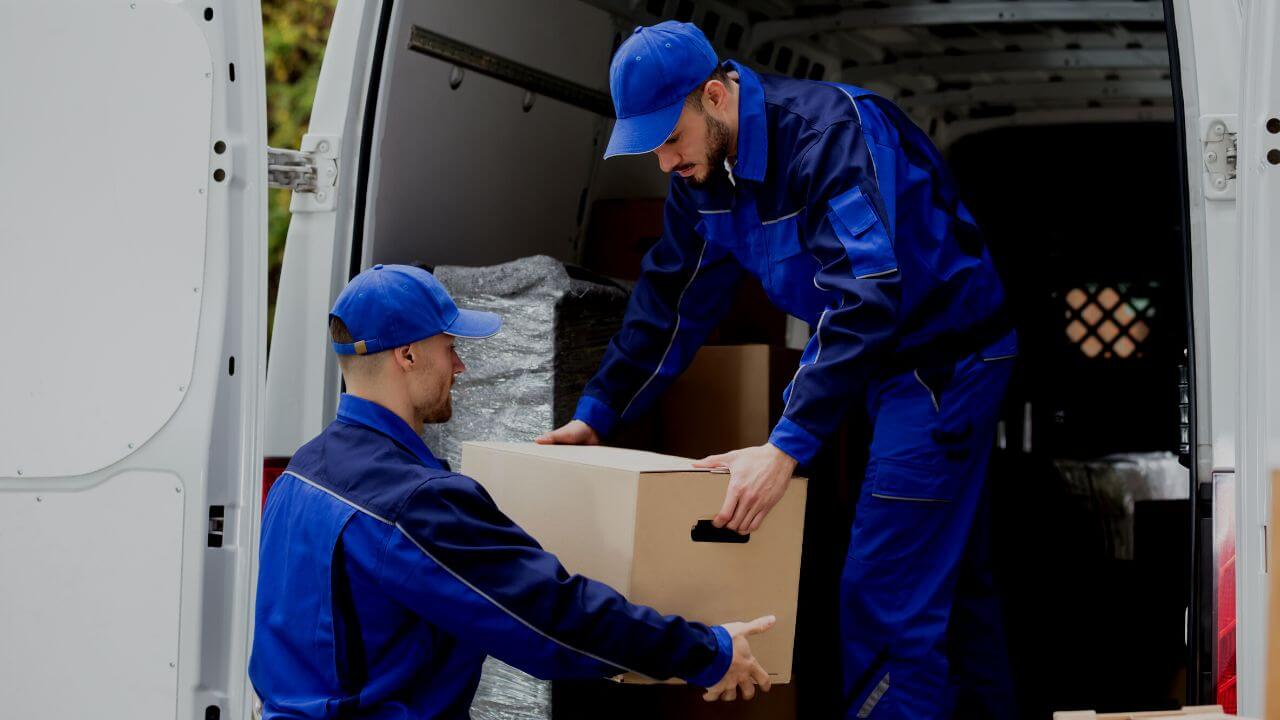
x,y
272,469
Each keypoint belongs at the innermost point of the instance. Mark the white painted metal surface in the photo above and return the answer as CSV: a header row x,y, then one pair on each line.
x,y
1259,375
91,599
105,179
466,176
133,266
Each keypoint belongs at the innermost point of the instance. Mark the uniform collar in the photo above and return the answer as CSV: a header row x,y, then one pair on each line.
x,y
753,132
354,410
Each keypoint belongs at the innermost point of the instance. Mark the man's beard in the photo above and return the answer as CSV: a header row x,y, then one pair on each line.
x,y
441,410
717,151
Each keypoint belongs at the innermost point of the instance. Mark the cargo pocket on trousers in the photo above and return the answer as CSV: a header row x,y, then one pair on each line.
x,y
894,516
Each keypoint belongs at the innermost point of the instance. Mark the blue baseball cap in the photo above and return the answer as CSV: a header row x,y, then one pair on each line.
x,y
389,306
652,73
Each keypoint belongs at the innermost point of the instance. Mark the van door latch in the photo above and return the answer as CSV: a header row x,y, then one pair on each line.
x,y
310,172
1219,135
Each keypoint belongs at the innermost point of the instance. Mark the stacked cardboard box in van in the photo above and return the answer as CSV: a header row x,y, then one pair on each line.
x,y
527,378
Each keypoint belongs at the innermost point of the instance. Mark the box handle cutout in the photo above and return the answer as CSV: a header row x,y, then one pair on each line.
x,y
705,531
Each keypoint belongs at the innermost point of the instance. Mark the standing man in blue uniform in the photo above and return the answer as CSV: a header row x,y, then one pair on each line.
x,y
385,579
844,211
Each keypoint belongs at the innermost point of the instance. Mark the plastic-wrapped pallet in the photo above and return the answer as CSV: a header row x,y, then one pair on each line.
x,y
521,382
526,379
505,693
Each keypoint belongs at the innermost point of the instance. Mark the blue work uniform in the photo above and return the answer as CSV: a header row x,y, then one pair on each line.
x,y
385,580
844,211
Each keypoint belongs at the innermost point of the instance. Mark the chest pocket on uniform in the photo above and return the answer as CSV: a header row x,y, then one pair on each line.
x,y
790,270
862,234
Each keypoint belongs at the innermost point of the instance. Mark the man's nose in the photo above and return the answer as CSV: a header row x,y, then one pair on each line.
x,y
667,159
458,367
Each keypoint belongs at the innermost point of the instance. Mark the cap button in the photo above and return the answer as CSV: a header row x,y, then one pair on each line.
x,y
378,266
637,30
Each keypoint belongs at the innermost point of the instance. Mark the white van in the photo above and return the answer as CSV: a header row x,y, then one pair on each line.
x,y
140,412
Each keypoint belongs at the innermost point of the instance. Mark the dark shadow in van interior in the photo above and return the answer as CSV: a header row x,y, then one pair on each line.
x,y
1091,519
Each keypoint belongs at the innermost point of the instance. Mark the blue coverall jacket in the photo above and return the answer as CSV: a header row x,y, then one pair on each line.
x,y
385,580
844,211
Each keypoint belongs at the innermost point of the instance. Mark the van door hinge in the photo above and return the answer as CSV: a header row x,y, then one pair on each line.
x,y
1218,132
311,173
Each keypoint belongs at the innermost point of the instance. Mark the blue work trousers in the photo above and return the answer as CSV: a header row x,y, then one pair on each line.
x,y
920,620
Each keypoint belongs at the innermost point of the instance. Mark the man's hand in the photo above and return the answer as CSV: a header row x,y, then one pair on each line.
x,y
758,478
744,671
574,432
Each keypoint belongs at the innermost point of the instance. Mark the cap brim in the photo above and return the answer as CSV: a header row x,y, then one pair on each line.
x,y
642,134
474,324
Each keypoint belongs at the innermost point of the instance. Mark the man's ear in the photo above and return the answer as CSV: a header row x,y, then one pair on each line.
x,y
715,94
404,357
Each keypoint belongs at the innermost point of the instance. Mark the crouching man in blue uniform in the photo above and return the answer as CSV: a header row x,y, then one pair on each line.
x,y
845,213
385,579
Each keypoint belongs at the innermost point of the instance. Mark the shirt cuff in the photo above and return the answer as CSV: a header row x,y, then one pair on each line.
x,y
720,665
598,415
795,441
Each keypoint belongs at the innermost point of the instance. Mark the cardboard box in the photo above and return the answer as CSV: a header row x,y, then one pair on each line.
x,y
729,398
629,518
1201,712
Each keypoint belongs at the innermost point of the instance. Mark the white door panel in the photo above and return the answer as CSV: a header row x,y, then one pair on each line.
x,y
133,277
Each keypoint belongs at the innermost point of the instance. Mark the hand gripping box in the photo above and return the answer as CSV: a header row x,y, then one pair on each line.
x,y
640,522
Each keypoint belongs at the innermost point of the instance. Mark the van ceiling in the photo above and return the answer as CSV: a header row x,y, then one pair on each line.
x,y
957,66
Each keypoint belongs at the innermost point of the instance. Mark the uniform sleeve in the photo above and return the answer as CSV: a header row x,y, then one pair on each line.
x,y
835,178
464,566
685,288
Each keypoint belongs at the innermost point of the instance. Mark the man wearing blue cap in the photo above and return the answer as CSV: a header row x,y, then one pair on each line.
x,y
844,211
385,579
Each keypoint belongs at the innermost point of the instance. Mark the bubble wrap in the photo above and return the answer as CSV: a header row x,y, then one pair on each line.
x,y
519,383
1114,483
526,379
506,693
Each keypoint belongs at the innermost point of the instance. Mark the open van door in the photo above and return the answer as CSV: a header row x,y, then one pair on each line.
x,y
133,285
1258,171
1226,53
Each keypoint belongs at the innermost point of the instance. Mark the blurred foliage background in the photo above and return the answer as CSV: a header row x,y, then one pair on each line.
x,y
294,33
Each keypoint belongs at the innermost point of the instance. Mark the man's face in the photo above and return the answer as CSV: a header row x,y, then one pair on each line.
x,y
697,148
431,381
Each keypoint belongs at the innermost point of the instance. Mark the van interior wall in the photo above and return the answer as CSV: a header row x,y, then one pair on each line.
x,y
466,175
1079,209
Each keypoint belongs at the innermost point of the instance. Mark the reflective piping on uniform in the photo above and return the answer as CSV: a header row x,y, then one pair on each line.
x,y
715,212
874,697
674,333
882,273
908,499
858,112
499,605
815,275
928,389
817,332
784,217
338,497
460,579
999,357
